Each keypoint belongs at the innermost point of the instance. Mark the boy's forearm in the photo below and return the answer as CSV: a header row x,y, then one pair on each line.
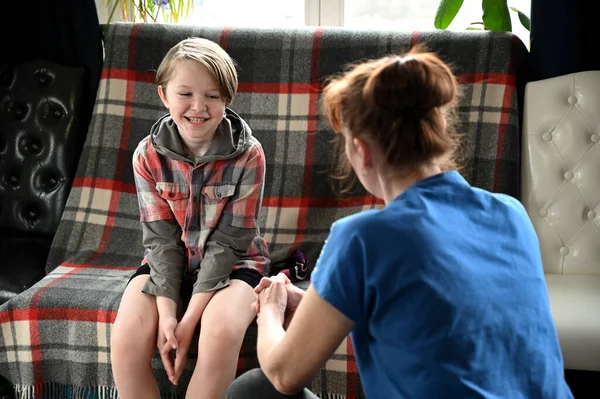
x,y
166,307
197,305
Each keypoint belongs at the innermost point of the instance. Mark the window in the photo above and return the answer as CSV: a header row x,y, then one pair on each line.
x,y
368,14
420,14
267,13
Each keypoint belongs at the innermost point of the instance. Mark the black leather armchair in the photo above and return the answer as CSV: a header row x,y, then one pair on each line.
x,y
39,119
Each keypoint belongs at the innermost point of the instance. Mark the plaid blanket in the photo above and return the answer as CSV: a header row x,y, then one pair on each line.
x,y
54,338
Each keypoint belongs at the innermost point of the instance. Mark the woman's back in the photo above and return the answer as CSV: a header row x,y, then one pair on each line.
x,y
447,291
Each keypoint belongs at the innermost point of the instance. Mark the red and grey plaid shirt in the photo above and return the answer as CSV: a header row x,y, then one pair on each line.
x,y
210,205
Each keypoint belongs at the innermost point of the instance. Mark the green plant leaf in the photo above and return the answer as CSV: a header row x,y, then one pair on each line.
x,y
525,21
113,8
496,16
447,10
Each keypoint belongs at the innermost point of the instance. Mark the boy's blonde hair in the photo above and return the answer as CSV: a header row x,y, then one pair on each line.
x,y
219,64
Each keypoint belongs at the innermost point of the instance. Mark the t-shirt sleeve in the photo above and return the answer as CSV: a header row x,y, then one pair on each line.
x,y
339,275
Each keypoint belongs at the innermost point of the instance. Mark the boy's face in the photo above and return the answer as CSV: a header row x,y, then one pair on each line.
x,y
194,102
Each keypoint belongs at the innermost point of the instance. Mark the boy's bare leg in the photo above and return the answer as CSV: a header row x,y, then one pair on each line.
x,y
133,342
222,330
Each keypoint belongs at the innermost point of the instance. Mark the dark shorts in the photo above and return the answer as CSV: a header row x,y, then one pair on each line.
x,y
250,276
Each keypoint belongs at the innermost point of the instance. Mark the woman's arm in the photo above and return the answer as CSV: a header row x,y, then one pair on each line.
x,y
291,359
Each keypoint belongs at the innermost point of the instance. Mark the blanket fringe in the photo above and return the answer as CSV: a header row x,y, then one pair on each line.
x,y
52,390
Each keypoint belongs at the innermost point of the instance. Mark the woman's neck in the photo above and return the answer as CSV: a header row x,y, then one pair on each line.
x,y
394,185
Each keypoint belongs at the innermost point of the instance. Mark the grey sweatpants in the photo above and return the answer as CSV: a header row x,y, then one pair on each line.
x,y
254,384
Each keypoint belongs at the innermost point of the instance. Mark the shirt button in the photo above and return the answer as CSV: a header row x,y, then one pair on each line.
x,y
195,198
218,195
171,195
192,228
192,253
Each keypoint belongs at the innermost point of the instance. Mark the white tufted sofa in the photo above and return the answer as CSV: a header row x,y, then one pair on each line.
x,y
560,187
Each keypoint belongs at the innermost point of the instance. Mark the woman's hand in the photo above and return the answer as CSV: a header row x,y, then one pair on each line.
x,y
166,342
271,297
294,296
183,335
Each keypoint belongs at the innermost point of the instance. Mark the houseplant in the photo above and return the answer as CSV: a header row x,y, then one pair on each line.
x,y
495,15
150,10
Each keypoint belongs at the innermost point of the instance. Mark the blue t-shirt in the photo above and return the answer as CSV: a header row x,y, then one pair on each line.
x,y
446,287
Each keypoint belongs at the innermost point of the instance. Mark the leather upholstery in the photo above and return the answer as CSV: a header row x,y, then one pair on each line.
x,y
561,191
39,104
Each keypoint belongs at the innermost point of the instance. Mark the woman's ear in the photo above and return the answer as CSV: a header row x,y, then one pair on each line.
x,y
364,151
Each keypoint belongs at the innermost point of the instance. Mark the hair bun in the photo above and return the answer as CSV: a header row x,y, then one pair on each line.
x,y
412,84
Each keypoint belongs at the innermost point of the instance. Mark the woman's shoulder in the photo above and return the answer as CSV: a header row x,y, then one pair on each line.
x,y
366,224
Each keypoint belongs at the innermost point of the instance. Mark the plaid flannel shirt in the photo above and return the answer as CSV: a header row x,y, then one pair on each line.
x,y
200,216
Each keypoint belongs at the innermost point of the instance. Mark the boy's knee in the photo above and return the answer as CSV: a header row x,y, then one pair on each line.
x,y
221,333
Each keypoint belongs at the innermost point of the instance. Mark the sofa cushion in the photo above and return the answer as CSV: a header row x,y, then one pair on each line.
x,y
561,159
574,301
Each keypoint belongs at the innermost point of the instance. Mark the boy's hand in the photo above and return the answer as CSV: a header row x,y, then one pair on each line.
x,y
183,334
167,342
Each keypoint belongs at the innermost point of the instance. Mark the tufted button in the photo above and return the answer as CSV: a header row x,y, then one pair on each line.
x,y
591,214
595,138
30,214
50,183
30,145
20,111
14,180
42,77
573,100
543,212
547,136
52,112
569,175
564,251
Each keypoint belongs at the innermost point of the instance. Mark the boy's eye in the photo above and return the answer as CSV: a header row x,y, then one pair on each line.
x,y
185,94
213,97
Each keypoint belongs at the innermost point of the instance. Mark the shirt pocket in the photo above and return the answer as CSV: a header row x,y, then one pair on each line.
x,y
177,196
214,199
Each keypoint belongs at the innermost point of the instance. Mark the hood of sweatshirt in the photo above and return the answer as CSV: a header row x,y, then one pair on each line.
x,y
231,138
